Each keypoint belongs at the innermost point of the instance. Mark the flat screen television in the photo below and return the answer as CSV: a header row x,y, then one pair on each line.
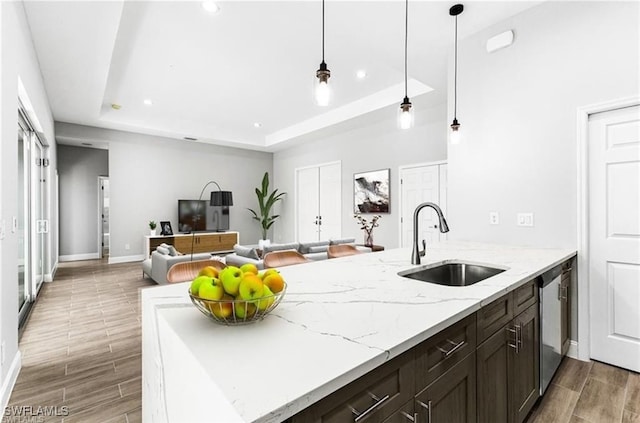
x,y
192,215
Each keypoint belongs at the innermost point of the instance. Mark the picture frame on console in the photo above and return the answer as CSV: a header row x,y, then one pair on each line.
x,y
165,228
371,191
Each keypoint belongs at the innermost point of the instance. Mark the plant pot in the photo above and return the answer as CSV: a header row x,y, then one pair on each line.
x,y
263,243
152,232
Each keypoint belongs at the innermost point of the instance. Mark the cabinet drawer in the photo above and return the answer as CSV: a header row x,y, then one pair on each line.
x,y
525,296
494,316
443,350
374,397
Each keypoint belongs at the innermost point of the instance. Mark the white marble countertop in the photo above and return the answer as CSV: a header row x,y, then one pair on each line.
x,y
339,319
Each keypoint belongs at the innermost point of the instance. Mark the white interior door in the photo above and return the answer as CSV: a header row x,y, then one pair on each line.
x,y
330,201
417,185
614,236
307,204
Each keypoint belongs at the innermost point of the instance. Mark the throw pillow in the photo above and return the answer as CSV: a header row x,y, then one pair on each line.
x,y
342,241
247,252
318,249
173,251
305,247
280,247
162,250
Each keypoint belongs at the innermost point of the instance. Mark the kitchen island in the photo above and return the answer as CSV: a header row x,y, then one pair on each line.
x,y
339,320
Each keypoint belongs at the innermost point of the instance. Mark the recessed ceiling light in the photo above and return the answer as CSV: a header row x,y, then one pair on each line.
x,y
115,106
361,74
210,6
88,144
257,125
190,139
148,102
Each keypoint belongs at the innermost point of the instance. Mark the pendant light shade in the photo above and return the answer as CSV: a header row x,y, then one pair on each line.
x,y
455,125
405,113
322,90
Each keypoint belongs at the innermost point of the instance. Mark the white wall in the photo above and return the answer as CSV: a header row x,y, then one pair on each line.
x,y
78,169
517,107
375,145
148,175
17,60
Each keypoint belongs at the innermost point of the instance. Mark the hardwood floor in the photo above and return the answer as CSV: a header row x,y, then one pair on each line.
x,y
81,348
594,392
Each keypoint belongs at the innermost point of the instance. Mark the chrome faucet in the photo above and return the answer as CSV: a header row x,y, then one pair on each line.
x,y
416,253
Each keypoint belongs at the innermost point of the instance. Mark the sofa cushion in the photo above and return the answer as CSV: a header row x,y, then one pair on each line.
x,y
280,247
248,252
162,250
305,247
172,251
318,249
342,241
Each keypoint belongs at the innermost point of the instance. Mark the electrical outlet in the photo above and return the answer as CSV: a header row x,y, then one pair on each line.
x,y
127,246
494,218
525,219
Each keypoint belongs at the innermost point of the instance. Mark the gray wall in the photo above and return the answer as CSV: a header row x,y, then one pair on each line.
x,y
148,175
376,144
18,60
78,170
518,109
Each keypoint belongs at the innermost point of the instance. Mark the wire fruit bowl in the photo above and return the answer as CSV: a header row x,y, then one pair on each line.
x,y
238,311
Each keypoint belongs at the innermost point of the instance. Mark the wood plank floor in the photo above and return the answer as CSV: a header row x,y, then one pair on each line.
x,y
82,349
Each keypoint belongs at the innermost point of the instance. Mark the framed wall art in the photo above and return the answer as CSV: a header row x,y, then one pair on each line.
x,y
371,191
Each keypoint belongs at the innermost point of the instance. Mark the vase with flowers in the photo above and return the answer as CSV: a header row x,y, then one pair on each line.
x,y
367,226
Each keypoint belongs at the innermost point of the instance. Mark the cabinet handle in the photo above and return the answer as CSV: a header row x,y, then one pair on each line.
x,y
378,403
409,417
562,292
427,407
519,337
456,347
515,344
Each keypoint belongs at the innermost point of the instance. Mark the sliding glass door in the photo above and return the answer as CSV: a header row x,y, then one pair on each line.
x,y
32,216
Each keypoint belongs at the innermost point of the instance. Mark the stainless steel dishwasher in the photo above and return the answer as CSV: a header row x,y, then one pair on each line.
x,y
550,326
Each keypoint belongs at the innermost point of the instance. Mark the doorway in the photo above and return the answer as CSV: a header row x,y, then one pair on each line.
x,y
614,236
420,183
103,217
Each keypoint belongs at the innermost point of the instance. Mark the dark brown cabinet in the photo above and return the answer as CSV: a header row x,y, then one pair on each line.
x,y
565,309
451,398
508,364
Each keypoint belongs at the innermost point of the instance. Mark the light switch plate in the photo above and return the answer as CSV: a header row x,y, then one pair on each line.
x,y
525,219
494,218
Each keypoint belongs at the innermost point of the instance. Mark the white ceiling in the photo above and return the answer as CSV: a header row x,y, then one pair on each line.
x,y
212,77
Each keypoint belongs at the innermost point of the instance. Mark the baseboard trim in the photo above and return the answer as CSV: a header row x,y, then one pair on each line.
x,y
78,257
50,276
573,350
126,259
10,381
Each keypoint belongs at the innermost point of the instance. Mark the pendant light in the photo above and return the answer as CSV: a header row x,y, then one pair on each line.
x,y
405,113
323,93
455,125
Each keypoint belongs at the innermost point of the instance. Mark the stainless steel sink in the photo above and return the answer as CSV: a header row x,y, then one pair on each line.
x,y
452,274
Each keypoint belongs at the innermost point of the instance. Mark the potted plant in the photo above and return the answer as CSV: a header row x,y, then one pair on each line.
x,y
152,227
266,201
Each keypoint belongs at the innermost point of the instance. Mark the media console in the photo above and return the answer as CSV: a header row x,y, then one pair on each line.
x,y
202,242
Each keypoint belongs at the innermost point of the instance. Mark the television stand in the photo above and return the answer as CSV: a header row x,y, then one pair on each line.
x,y
203,242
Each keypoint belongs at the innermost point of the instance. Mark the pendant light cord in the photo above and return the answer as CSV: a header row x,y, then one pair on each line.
x,y
322,31
455,74
406,38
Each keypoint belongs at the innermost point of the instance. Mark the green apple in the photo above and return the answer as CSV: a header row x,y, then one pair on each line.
x,y
244,309
249,268
267,301
231,277
195,285
211,289
251,287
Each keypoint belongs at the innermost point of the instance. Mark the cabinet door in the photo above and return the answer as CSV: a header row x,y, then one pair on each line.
x,y
565,311
404,415
184,243
452,397
524,380
494,316
493,376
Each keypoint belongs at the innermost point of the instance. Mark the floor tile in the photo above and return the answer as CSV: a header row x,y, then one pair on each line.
x,y
609,374
557,405
572,374
600,402
630,417
632,401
